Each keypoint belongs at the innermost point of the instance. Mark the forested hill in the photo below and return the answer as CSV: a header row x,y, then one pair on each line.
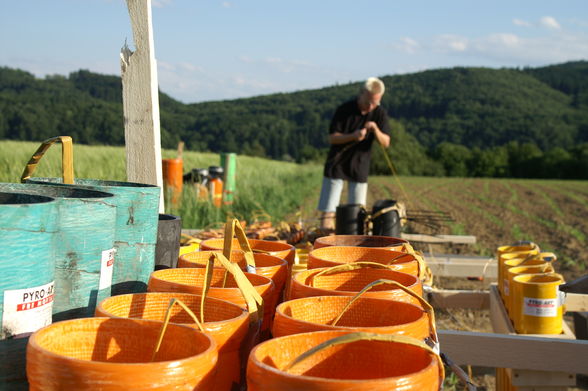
x,y
458,112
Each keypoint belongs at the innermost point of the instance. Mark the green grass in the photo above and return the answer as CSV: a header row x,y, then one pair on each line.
x,y
263,187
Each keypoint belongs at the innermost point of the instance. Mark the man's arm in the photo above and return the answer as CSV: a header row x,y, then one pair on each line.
x,y
344,138
382,137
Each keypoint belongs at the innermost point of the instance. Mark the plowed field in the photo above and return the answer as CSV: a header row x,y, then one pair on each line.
x,y
554,214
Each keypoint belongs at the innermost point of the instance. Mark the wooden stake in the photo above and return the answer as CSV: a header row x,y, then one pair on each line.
x,y
141,101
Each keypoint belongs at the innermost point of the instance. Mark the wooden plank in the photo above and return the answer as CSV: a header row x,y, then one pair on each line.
x,y
141,100
457,239
540,388
576,302
515,351
530,378
498,315
448,265
441,298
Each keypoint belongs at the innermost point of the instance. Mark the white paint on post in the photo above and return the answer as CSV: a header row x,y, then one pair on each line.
x,y
141,100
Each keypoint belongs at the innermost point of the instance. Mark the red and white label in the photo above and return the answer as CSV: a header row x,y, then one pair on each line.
x,y
26,310
545,308
106,269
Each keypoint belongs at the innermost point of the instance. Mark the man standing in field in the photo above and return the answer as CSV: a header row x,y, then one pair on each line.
x,y
353,129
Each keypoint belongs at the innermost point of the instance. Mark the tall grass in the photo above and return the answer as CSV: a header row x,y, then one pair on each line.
x,y
264,187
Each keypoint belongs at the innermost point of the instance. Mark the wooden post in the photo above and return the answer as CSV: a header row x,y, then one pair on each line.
x,y
141,101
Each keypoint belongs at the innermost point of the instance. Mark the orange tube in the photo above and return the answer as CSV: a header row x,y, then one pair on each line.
x,y
115,354
373,241
226,322
348,283
338,255
173,177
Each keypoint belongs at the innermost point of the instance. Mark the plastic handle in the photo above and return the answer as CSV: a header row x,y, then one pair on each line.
x,y
166,322
253,299
234,227
66,159
426,306
353,337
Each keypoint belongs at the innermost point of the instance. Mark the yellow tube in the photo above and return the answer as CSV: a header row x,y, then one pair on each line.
x,y
538,303
539,268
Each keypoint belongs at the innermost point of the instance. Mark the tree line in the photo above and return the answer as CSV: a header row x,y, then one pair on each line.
x,y
530,122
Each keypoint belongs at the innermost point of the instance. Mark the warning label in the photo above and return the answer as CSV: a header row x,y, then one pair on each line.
x,y
26,310
541,307
106,268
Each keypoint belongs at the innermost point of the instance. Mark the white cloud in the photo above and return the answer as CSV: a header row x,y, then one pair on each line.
x,y
520,22
550,23
160,3
227,4
504,40
450,42
407,45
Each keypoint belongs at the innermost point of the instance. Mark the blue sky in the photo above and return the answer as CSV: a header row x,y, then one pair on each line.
x,y
214,50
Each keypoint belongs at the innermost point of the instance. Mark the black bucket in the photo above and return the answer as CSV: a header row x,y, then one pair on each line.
x,y
387,224
349,219
167,249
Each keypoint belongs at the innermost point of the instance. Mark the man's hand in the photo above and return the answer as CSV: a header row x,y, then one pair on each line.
x,y
382,138
360,133
371,126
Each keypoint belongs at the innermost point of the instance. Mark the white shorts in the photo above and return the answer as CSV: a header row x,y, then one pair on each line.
x,y
331,194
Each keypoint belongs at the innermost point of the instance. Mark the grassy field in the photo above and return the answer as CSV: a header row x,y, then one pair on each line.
x,y
554,214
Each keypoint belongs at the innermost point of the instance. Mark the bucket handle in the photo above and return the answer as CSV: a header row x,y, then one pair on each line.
x,y
166,322
349,267
252,297
66,159
234,227
362,336
425,273
426,306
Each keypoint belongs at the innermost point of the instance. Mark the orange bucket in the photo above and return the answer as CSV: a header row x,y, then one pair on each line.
x,y
347,280
191,280
339,360
367,314
338,255
265,265
278,249
118,354
225,322
385,242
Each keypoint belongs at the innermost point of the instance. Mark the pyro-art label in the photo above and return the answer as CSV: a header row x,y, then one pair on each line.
x,y
540,307
26,310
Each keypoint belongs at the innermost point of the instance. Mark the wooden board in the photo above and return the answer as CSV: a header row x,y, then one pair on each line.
x,y
449,265
456,239
141,101
515,351
442,298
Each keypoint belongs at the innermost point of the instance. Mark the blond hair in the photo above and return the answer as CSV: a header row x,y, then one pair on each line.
x,y
373,85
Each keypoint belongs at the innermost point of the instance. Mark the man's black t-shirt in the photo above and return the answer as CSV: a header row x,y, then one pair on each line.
x,y
351,161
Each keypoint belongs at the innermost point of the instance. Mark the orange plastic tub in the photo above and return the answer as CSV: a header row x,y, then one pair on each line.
x,y
372,241
347,280
116,354
278,249
338,255
360,365
225,322
191,280
366,314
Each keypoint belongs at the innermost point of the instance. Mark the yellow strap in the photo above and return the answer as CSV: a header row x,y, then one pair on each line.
x,y
346,268
234,227
353,337
426,306
420,259
208,273
252,298
166,322
66,159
